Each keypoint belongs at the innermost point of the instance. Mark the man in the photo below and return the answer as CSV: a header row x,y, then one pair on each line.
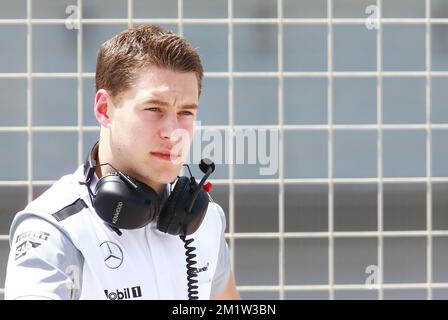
x,y
148,82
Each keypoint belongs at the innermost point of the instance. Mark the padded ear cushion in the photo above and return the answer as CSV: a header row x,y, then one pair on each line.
x,y
172,213
194,219
122,207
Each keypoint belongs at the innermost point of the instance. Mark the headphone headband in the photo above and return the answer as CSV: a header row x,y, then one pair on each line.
x,y
90,163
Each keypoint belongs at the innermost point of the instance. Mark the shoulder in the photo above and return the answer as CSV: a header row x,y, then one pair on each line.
x,y
214,222
42,260
41,211
216,211
62,193
35,230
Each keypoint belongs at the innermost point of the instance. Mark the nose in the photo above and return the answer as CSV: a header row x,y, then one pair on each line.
x,y
168,126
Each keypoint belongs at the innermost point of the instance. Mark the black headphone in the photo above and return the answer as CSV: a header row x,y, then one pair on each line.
x,y
123,202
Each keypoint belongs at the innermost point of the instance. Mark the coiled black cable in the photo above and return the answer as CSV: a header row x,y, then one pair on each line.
x,y
191,271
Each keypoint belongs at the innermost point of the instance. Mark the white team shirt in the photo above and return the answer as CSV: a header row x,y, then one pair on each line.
x,y
79,257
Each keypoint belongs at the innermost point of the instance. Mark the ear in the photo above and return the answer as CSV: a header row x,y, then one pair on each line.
x,y
102,108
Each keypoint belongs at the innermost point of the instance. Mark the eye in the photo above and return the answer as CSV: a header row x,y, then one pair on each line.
x,y
153,109
186,113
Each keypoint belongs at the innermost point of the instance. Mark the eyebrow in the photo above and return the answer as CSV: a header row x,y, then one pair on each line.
x,y
166,104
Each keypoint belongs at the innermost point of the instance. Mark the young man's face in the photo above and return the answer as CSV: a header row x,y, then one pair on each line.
x,y
146,121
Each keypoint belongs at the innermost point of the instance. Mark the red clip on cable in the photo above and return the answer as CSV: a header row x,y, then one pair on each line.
x,y
207,186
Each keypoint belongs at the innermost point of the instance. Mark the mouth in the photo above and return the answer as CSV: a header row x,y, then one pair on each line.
x,y
166,156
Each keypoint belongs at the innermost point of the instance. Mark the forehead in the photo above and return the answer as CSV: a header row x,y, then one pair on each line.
x,y
161,82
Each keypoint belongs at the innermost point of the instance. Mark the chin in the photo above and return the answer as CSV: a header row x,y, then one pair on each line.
x,y
166,177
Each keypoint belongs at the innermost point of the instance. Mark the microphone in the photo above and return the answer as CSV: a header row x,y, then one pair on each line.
x,y
207,166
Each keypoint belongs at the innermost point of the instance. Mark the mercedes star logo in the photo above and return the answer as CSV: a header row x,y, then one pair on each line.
x,y
113,255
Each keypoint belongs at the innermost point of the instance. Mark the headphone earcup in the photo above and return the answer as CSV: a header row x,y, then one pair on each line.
x,y
170,217
194,219
173,218
123,207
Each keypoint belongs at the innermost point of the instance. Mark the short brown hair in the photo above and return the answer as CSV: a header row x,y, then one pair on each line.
x,y
123,56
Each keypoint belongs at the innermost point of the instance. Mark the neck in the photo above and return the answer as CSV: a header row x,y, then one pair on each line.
x,y
157,187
